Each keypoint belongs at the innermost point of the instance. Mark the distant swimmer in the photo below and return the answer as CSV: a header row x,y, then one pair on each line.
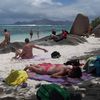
x,y
31,34
6,40
38,34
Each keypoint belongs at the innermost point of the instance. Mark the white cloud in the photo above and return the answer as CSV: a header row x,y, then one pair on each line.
x,y
47,2
30,9
89,7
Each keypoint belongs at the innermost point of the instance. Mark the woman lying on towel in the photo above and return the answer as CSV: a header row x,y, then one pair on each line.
x,y
55,70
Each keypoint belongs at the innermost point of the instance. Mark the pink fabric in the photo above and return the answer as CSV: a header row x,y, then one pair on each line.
x,y
64,35
46,66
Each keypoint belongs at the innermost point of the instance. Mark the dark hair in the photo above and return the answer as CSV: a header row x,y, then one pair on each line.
x,y
5,30
74,62
75,73
27,40
54,32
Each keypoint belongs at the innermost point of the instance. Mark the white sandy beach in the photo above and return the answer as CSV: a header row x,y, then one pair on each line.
x,y
66,51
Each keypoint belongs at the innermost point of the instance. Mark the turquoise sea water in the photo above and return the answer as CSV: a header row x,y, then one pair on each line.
x,y
20,32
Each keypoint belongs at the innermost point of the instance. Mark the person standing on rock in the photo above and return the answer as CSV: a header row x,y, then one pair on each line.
x,y
6,40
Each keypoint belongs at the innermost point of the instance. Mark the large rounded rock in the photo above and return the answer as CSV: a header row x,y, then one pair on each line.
x,y
11,47
80,25
96,31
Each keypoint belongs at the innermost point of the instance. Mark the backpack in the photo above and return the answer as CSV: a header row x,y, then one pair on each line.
x,y
52,92
55,54
93,65
16,77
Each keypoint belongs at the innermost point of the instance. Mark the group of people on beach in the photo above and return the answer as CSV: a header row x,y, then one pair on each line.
x,y
54,71
27,53
59,37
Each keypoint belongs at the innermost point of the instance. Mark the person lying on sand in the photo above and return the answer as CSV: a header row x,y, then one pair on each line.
x,y
55,71
26,52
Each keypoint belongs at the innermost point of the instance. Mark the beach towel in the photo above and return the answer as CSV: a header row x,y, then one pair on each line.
x,y
41,57
63,80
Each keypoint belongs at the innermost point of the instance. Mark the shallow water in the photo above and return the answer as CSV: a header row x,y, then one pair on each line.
x,y
20,32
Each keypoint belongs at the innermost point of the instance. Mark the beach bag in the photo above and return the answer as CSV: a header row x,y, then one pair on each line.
x,y
97,66
52,92
93,65
16,77
55,54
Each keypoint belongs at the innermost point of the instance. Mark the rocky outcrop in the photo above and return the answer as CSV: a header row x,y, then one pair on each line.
x,y
46,41
11,47
80,25
70,40
96,31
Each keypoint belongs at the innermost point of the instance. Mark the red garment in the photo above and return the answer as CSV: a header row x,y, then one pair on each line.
x,y
64,35
46,66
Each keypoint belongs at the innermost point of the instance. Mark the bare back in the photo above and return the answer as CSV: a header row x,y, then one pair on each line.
x,y
7,37
55,69
27,51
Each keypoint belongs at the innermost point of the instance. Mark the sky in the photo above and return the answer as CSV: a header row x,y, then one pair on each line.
x,y
27,10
